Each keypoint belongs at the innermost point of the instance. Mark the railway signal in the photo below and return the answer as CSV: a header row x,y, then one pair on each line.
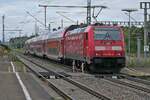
x,y
88,7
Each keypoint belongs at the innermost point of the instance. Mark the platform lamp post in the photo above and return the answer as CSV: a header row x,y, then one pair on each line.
x,y
129,11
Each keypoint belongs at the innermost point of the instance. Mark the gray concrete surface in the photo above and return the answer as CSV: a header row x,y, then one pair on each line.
x,y
35,90
10,88
5,67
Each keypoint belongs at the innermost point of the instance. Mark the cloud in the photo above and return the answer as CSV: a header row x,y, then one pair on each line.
x,y
16,16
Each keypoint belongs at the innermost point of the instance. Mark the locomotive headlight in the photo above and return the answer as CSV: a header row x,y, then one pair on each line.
x,y
118,48
100,48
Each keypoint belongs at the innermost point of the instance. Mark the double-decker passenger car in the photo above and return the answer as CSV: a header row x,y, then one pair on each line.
x,y
36,45
98,47
53,45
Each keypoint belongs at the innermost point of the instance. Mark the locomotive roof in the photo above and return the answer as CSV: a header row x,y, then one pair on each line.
x,y
59,33
47,35
56,34
78,30
39,38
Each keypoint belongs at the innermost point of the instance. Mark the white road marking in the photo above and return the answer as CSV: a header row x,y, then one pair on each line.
x,y
26,93
13,67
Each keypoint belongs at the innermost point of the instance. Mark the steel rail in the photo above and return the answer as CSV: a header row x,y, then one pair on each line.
x,y
135,79
80,85
129,85
109,79
57,90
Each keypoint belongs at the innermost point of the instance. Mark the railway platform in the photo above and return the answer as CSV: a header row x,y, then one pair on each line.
x,y
17,83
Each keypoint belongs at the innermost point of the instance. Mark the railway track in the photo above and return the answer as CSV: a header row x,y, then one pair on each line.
x,y
135,79
75,83
67,68
147,90
116,79
57,90
125,76
121,75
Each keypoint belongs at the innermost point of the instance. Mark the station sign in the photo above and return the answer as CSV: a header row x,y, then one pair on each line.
x,y
144,5
146,48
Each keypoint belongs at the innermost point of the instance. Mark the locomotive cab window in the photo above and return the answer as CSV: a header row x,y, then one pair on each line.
x,y
107,34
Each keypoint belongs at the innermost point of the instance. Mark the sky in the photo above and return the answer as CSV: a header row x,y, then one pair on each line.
x,y
17,18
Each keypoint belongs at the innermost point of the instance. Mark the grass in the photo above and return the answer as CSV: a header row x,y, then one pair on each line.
x,y
135,62
20,67
4,52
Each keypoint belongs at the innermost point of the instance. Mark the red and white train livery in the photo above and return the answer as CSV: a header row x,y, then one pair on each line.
x,y
100,48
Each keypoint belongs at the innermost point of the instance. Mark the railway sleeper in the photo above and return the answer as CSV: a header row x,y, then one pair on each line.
x,y
51,75
110,76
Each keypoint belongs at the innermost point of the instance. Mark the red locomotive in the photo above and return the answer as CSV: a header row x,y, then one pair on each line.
x,y
97,47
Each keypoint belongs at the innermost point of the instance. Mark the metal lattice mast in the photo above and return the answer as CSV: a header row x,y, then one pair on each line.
x,y
145,6
88,7
88,12
45,13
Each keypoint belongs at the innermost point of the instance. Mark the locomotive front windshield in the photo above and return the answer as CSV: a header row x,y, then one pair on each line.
x,y
107,34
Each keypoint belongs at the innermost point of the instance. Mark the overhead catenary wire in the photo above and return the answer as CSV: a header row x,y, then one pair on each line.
x,y
35,18
66,17
88,7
